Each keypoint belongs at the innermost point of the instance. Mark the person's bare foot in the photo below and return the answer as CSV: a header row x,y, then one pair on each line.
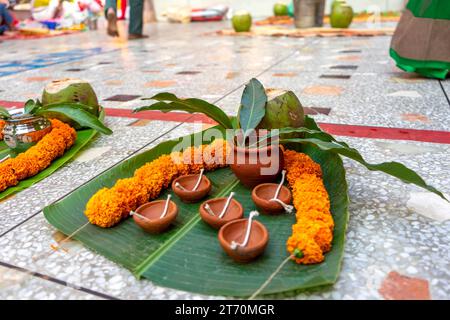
x,y
112,23
133,36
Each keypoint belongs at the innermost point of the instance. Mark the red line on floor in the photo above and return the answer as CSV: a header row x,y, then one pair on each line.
x,y
332,128
347,130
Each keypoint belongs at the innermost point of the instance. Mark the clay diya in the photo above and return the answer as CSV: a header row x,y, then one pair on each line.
x,y
244,239
273,198
219,211
192,187
155,216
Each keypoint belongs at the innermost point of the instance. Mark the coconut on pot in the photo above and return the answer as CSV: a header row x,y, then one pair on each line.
x,y
283,109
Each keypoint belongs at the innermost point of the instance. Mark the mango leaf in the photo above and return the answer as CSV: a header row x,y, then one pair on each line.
x,y
253,106
317,133
77,113
394,169
4,113
31,106
169,102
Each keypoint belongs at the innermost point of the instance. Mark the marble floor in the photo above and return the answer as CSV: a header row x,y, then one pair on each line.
x,y
395,246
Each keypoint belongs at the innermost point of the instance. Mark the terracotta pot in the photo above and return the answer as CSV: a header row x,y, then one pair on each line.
x,y
233,212
152,211
188,182
249,164
262,193
235,231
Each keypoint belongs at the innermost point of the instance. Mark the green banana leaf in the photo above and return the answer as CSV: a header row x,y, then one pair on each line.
x,y
191,105
83,137
188,256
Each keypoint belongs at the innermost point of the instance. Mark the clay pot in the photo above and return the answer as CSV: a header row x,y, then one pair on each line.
x,y
188,182
234,211
235,231
249,164
152,211
262,193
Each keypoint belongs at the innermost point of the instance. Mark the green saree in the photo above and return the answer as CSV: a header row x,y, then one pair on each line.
x,y
421,42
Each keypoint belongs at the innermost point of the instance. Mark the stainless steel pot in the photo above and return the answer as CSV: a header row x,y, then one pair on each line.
x,y
23,131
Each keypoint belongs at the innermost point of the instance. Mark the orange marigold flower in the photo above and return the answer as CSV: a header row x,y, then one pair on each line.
x,y
103,210
317,230
297,163
309,250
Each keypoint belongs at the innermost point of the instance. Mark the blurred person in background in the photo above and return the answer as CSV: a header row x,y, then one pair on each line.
x,y
6,18
421,42
135,26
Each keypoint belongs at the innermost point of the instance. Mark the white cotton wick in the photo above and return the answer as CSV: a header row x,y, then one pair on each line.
x,y
208,209
199,180
288,208
166,207
277,193
134,213
5,158
178,185
227,204
234,244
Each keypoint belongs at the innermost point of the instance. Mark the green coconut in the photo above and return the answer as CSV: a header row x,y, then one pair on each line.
x,y
341,16
283,109
280,9
242,21
71,91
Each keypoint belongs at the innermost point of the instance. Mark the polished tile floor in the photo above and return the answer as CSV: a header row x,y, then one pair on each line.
x,y
394,248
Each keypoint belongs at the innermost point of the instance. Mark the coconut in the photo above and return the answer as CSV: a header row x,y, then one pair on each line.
x,y
280,9
341,16
242,21
70,91
73,91
283,109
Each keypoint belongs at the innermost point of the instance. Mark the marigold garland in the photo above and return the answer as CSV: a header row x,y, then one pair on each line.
x,y
313,233
108,207
2,125
39,156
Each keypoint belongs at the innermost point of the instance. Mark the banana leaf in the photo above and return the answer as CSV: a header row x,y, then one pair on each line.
x,y
83,137
188,256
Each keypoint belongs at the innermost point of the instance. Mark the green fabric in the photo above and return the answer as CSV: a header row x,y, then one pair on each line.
x,y
430,69
434,9
136,14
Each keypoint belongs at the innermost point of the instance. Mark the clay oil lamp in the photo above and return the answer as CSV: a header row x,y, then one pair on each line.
x,y
244,239
192,187
273,199
219,211
155,216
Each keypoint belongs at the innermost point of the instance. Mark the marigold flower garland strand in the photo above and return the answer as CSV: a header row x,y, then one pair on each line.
x,y
109,206
38,157
312,234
